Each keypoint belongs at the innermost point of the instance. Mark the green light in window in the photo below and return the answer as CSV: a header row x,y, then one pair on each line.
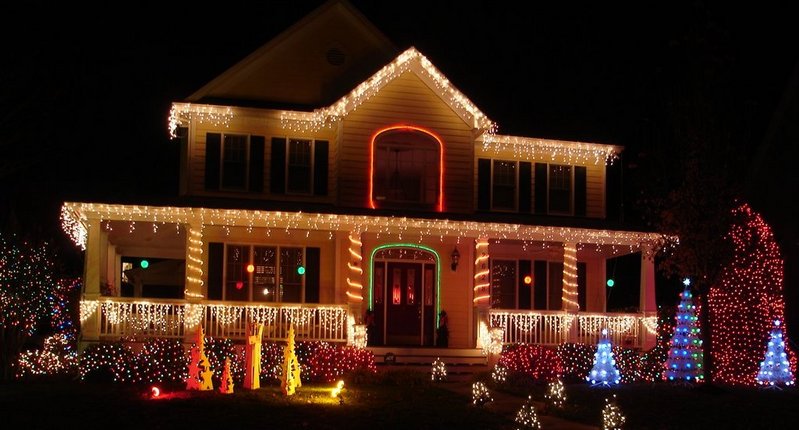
x,y
611,283
300,270
144,264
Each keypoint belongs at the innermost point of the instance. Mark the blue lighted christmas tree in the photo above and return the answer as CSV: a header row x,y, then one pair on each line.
x,y
685,359
775,369
604,371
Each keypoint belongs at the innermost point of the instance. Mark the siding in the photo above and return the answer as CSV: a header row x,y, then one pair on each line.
x,y
406,100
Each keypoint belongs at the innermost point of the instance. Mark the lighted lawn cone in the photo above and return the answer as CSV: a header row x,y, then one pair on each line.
x,y
200,372
290,372
252,357
226,386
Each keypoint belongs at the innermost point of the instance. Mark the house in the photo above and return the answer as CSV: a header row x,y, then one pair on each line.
x,y
329,180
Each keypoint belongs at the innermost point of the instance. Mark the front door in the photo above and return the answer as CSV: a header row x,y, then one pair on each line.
x,y
404,304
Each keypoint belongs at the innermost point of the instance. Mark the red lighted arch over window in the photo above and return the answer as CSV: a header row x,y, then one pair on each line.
x,y
406,168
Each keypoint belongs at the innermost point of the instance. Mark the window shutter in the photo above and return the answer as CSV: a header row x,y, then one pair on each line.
x,y
213,156
483,184
540,188
579,190
312,270
277,171
320,168
540,285
216,258
256,164
525,186
582,285
525,296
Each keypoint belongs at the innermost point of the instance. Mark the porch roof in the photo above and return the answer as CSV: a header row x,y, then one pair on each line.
x,y
76,218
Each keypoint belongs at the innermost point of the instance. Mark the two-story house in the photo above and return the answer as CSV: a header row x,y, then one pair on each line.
x,y
330,179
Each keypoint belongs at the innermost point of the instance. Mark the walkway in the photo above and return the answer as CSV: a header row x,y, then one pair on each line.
x,y
508,404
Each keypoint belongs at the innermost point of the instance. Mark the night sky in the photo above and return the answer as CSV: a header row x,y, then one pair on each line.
x,y
84,101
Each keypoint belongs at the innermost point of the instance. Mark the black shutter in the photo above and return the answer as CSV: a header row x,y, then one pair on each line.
x,y
525,293
183,140
277,171
256,164
540,285
540,188
582,285
525,186
579,190
320,168
483,184
312,270
216,257
213,157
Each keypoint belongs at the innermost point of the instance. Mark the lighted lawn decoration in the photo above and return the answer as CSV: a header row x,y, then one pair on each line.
x,y
556,395
684,361
290,372
612,417
252,357
499,374
526,417
336,391
480,394
775,369
200,372
439,372
226,385
604,371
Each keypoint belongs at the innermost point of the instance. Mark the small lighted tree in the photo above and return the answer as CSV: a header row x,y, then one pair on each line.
x,y
685,359
290,372
200,372
526,417
480,394
439,372
612,417
226,385
556,394
499,374
775,369
604,371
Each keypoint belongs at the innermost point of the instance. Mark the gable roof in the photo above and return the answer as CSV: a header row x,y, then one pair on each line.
x,y
310,64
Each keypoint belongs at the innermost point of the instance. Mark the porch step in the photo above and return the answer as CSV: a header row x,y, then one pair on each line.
x,y
389,355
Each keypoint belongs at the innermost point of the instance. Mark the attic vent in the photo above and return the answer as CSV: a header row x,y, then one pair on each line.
x,y
335,56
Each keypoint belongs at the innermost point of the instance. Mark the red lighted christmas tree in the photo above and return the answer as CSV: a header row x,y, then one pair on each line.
x,y
746,301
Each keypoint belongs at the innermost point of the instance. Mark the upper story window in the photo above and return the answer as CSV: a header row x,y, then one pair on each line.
x,y
560,189
299,166
406,169
503,185
234,162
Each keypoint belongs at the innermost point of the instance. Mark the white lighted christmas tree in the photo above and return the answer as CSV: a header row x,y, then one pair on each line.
x,y
604,371
526,418
685,359
439,372
612,417
775,369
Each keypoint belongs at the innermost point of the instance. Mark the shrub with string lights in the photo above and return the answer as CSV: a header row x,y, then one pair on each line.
x,y
328,362
218,349
651,368
539,362
107,362
748,298
160,360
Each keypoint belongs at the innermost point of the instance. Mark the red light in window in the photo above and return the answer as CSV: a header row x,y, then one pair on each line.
x,y
239,285
528,280
250,268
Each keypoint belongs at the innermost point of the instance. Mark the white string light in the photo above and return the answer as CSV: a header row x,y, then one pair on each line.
x,y
570,292
182,113
355,287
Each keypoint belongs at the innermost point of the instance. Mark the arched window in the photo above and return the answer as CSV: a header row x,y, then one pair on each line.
x,y
407,169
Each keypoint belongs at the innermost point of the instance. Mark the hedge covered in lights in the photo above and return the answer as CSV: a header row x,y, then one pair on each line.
x,y
166,360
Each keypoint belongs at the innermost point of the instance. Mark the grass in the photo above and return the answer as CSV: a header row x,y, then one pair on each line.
x,y
668,406
71,404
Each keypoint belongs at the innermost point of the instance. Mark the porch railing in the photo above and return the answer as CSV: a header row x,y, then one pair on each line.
x,y
117,318
556,327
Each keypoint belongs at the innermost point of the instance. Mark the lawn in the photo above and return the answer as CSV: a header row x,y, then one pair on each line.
x,y
666,406
72,404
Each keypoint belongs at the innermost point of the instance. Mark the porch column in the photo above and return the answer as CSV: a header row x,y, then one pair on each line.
x,y
482,295
647,305
90,328
569,293
355,293
193,290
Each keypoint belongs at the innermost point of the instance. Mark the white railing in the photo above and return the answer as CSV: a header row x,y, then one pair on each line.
x,y
556,327
128,318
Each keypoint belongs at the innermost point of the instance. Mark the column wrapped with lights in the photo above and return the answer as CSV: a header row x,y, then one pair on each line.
x,y
194,262
685,359
749,297
775,369
354,278
481,272
604,371
570,293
